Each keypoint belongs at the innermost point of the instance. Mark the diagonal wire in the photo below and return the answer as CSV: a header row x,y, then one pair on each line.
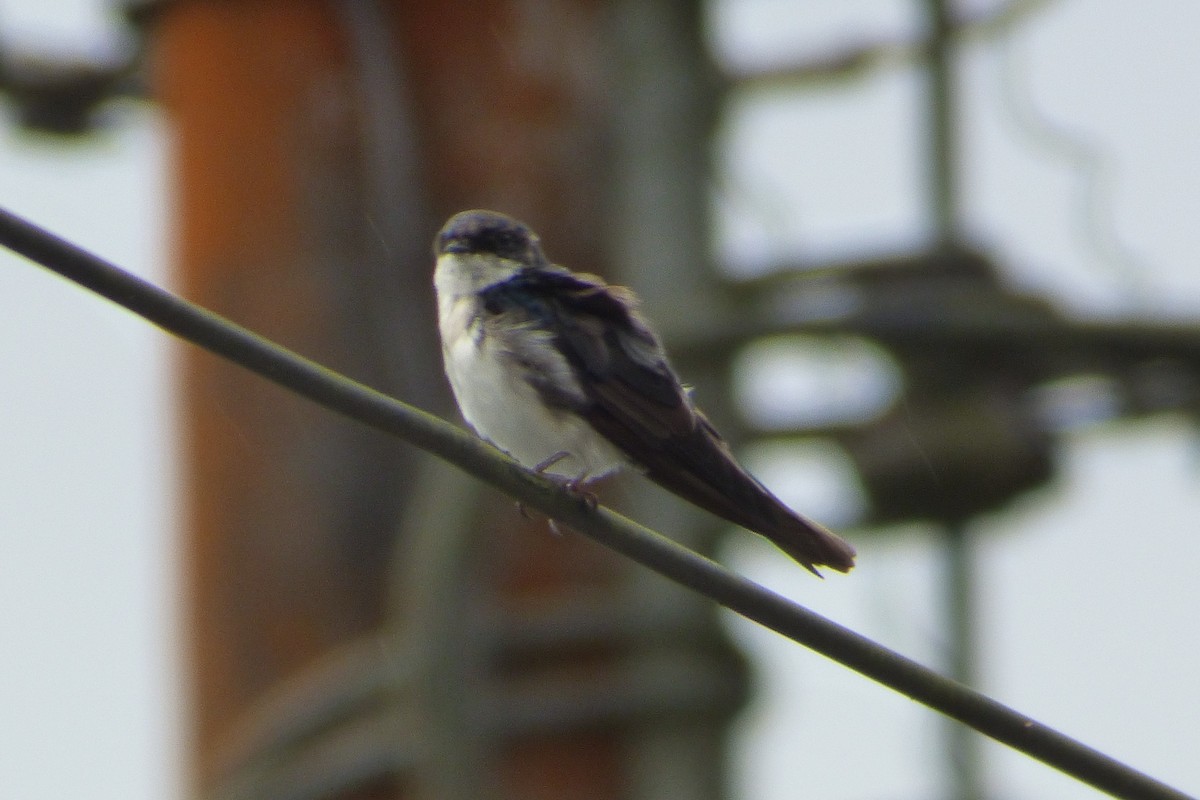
x,y
651,549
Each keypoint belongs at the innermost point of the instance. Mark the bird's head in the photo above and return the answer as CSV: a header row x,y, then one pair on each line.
x,y
479,232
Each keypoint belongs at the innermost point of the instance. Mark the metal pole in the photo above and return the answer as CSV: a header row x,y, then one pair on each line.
x,y
943,150
961,744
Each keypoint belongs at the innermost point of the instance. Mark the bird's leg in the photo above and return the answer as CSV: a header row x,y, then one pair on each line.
x,y
547,463
575,486
540,469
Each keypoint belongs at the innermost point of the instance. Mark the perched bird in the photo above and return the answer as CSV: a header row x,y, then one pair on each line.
x,y
560,371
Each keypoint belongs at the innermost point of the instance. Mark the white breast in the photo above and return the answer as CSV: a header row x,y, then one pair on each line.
x,y
501,405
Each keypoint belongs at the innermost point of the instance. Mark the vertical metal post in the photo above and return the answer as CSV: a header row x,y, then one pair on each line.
x,y
943,149
962,745
660,235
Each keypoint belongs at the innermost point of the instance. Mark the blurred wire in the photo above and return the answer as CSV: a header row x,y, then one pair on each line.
x,y
1085,157
858,60
647,547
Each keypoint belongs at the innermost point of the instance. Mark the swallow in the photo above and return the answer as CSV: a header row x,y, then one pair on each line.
x,y
562,372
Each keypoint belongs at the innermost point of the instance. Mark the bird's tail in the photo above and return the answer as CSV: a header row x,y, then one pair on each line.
x,y
727,490
810,543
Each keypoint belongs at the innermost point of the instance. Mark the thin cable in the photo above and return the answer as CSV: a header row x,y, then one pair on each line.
x,y
1083,155
866,59
340,394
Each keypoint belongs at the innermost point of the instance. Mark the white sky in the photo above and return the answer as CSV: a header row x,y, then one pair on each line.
x,y
1089,606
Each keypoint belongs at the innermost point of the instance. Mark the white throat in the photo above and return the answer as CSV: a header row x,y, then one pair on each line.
x,y
461,274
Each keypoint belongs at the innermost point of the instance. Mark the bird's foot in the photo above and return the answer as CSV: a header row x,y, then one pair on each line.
x,y
573,486
540,469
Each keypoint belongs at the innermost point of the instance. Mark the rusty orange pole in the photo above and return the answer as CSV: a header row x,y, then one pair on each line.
x,y
287,516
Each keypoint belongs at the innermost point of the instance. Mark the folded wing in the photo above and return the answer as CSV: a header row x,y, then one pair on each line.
x,y
635,400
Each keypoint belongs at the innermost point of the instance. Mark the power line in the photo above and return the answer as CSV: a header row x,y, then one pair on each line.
x,y
651,549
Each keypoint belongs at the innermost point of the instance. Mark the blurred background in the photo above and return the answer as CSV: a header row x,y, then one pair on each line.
x,y
928,264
